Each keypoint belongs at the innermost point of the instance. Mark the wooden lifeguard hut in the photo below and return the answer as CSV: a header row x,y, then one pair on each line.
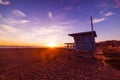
x,y
84,45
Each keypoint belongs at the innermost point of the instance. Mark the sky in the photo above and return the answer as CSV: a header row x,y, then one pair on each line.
x,y
40,22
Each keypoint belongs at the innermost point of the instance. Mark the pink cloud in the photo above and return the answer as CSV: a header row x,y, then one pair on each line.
x,y
109,14
3,2
98,20
18,12
117,3
50,15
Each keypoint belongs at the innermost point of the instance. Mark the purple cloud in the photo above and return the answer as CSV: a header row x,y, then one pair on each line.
x,y
117,3
4,2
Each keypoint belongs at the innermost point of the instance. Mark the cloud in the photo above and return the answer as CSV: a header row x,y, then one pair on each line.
x,y
0,16
18,13
51,29
7,29
50,15
47,34
23,21
15,21
101,12
11,33
36,35
99,20
117,3
109,14
1,32
48,30
4,2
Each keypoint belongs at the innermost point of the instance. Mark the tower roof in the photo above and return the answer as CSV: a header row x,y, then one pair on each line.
x,y
83,33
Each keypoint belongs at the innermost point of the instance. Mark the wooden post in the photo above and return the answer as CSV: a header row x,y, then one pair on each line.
x,y
94,46
92,33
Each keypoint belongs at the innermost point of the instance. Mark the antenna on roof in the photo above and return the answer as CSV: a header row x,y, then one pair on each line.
x,y
92,30
92,26
91,23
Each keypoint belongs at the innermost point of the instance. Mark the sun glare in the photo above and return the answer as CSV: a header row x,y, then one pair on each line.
x,y
52,44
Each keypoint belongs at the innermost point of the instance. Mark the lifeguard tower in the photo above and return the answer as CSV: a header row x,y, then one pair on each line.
x,y
84,45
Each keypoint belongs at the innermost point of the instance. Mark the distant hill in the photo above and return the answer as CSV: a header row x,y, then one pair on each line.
x,y
108,43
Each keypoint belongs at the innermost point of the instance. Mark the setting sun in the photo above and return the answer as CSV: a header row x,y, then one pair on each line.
x,y
52,44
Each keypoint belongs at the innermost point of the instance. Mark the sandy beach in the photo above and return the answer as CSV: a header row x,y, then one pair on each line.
x,y
50,64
